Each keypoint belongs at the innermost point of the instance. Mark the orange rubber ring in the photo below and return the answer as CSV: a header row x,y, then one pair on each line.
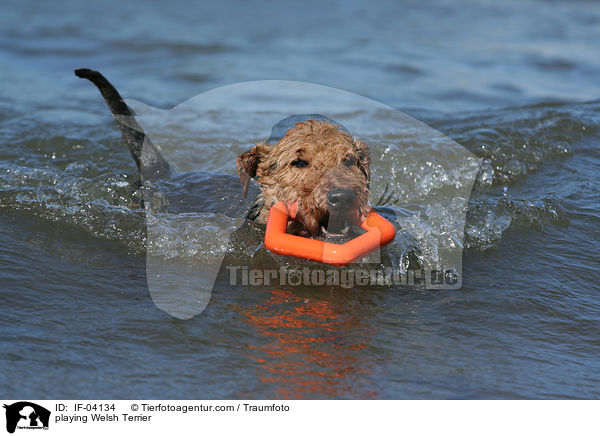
x,y
379,232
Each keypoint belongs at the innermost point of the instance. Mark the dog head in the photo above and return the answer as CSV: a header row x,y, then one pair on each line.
x,y
318,165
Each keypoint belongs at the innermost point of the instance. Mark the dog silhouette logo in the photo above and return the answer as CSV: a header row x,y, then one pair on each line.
x,y
26,415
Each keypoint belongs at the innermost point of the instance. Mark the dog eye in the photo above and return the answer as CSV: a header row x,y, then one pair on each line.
x,y
350,161
299,163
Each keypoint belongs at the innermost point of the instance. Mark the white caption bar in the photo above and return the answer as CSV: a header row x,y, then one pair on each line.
x,y
300,417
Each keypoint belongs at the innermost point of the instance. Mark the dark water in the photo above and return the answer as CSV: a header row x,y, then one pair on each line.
x,y
516,84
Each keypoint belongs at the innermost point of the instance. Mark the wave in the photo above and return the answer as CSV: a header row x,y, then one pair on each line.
x,y
101,200
516,141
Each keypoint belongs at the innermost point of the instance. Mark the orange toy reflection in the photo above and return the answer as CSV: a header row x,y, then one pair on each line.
x,y
310,350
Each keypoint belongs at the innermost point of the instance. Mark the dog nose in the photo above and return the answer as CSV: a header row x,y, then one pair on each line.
x,y
340,198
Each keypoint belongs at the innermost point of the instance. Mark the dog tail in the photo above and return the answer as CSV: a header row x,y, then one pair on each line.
x,y
147,157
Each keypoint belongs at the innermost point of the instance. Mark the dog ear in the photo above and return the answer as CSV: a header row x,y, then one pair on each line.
x,y
247,163
364,158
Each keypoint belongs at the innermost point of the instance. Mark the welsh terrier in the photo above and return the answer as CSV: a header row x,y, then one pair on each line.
x,y
317,164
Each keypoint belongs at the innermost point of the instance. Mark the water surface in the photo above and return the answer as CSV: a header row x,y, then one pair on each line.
x,y
516,84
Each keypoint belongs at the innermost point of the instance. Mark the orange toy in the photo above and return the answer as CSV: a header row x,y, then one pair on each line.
x,y
379,232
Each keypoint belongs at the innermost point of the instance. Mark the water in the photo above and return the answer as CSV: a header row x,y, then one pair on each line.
x,y
515,84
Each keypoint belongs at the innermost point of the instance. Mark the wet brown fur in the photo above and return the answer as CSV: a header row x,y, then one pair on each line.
x,y
335,160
